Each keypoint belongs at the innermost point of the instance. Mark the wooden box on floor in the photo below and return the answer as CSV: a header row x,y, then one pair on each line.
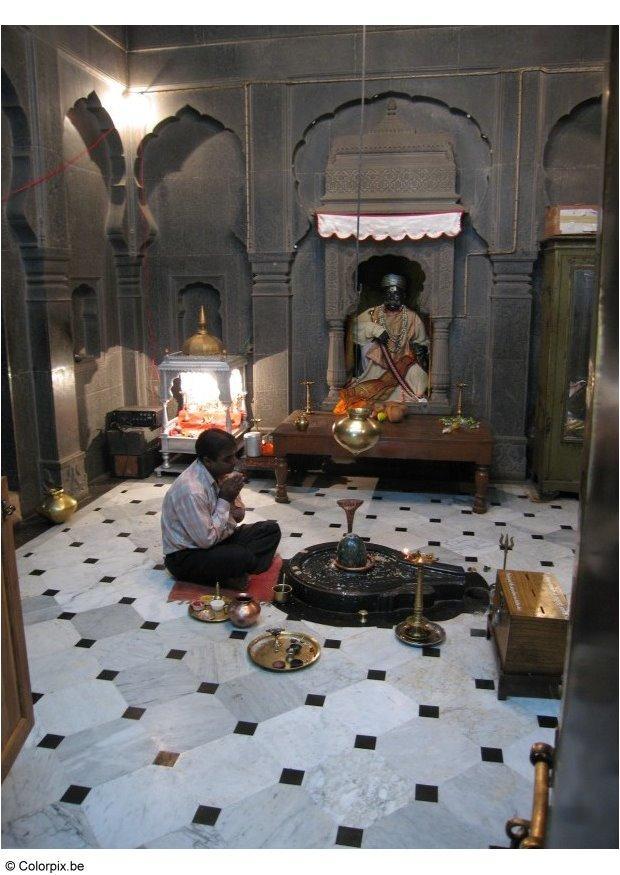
x,y
528,621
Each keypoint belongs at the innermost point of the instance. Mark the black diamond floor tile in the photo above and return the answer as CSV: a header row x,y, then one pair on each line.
x,y
375,674
349,837
107,675
107,521
85,642
428,711
244,727
76,543
371,516
529,514
36,697
467,512
471,559
50,741
140,550
431,651
434,543
547,722
566,529
499,524
238,634
546,564
207,688
206,815
153,513
484,684
537,538
292,776
159,567
306,512
75,794
313,699
175,654
90,561
434,520
66,615
133,713
296,535
135,501
491,755
126,600
404,508
36,572
400,529
107,579
149,624
471,534
166,758
478,633
51,592
426,793
335,525
332,642
365,742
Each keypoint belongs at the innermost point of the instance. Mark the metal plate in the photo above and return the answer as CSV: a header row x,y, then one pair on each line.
x,y
207,614
435,634
263,651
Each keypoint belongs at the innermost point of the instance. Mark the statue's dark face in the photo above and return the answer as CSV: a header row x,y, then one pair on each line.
x,y
393,298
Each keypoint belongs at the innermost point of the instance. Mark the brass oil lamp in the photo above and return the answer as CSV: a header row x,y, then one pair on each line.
x,y
416,630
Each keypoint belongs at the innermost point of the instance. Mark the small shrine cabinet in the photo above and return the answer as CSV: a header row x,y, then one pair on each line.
x,y
568,296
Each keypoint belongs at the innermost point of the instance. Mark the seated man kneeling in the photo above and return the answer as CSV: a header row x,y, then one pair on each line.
x,y
202,540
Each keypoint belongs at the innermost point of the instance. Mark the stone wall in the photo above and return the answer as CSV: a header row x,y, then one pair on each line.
x,y
217,181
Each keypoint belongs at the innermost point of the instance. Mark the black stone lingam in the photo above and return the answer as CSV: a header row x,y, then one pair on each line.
x,y
335,581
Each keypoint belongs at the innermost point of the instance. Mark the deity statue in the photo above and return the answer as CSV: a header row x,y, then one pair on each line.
x,y
395,352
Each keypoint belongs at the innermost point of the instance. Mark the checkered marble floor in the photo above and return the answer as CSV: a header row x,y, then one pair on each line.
x,y
155,731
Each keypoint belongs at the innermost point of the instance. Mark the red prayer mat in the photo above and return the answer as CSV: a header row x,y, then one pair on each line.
x,y
260,586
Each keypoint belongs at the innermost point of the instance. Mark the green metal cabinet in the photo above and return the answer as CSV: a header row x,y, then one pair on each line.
x,y
568,295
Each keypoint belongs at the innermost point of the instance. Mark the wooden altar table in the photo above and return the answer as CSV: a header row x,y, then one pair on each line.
x,y
419,436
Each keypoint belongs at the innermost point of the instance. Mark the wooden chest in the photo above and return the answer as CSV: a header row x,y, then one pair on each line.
x,y
529,622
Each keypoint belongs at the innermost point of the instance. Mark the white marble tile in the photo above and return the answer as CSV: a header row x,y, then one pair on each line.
x,y
424,825
486,796
49,637
53,671
227,770
260,695
427,751
370,707
218,661
80,706
192,836
154,682
302,738
58,826
357,789
282,816
135,647
187,722
375,649
107,751
135,808
39,608
106,621
35,781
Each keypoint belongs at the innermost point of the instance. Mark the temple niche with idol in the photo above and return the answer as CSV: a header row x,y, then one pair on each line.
x,y
379,259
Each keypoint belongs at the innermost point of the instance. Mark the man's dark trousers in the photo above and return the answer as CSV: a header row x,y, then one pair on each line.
x,y
249,550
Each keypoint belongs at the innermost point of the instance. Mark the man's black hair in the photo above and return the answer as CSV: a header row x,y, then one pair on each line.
x,y
212,442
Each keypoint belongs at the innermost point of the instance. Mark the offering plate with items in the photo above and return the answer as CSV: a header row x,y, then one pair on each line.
x,y
354,582
280,650
211,608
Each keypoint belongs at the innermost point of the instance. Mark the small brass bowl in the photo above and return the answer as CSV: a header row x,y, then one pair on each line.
x,y
282,592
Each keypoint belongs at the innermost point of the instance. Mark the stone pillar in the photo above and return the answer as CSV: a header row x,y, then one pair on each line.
x,y
336,365
510,316
61,459
271,303
439,400
131,329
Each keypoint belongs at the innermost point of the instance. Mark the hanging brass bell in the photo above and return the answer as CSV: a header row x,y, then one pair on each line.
x,y
356,431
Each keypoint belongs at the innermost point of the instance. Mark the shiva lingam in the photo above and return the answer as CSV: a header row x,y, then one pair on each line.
x,y
416,629
354,582
351,554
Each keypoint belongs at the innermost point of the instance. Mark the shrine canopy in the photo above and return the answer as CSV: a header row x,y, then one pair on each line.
x,y
414,226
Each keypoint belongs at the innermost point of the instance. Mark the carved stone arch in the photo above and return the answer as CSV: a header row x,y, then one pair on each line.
x,y
571,157
94,125
149,230
21,165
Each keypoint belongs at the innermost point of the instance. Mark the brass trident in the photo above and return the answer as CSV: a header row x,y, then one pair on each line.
x,y
506,544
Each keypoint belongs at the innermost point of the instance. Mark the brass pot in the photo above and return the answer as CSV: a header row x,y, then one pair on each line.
x,y
302,422
243,611
356,432
58,506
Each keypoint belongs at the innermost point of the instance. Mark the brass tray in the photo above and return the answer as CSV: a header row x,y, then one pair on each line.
x,y
207,614
435,634
274,652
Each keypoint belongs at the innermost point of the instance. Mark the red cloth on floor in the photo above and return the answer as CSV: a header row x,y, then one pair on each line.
x,y
260,586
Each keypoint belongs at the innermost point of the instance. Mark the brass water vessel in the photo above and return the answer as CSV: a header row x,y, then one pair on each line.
x,y
58,505
356,431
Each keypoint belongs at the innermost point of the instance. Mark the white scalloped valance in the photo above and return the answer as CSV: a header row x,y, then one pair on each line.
x,y
395,227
